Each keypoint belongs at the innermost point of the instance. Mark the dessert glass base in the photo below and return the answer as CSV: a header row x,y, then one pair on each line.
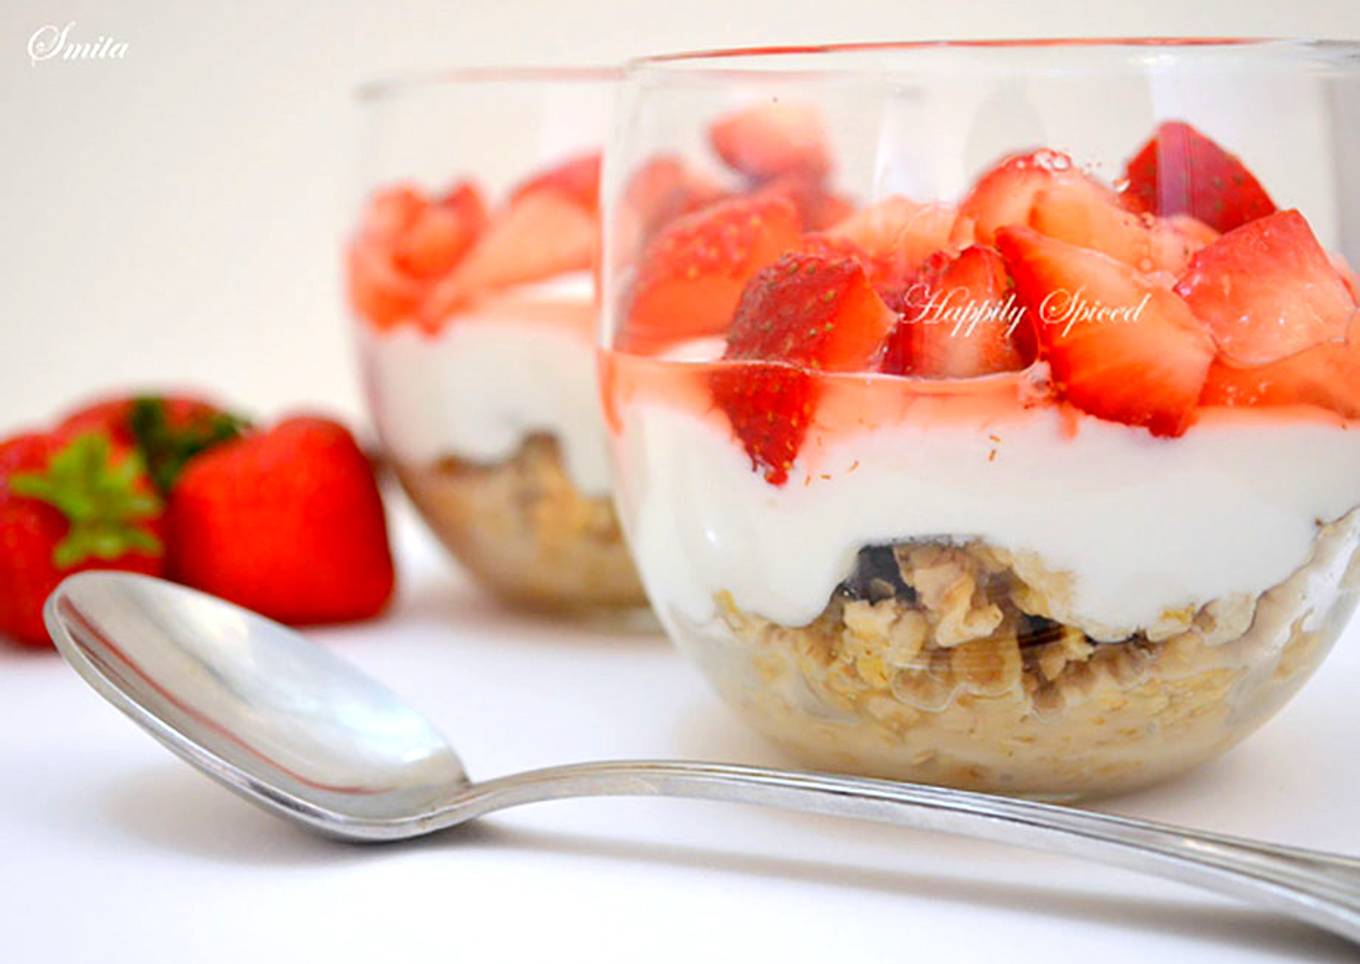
x,y
525,531
937,663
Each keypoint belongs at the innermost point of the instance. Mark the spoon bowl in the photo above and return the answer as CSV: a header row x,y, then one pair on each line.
x,y
252,703
302,733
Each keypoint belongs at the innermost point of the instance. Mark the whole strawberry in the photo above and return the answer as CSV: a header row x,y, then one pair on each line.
x,y
69,502
287,522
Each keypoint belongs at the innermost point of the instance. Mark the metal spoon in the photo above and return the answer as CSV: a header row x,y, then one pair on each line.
x,y
302,733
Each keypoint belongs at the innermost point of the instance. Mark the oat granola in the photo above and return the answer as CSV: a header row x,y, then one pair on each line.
x,y
523,528
942,663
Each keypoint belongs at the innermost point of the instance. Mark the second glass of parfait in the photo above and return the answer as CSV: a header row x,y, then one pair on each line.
x,y
470,277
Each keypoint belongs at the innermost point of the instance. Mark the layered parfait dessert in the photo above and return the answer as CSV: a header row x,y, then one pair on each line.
x,y
1047,489
477,332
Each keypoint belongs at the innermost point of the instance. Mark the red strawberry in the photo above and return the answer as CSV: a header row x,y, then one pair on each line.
x,y
1196,231
805,311
538,235
897,235
1326,375
769,140
166,430
657,193
810,310
113,414
817,206
69,502
1267,290
959,320
770,406
577,177
378,292
1085,214
1181,171
834,246
1142,361
440,233
691,275
1005,194
287,522
406,241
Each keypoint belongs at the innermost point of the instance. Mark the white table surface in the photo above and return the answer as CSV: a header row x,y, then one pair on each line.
x,y
111,849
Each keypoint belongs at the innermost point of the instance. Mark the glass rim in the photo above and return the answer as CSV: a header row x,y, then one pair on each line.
x,y
694,62
397,84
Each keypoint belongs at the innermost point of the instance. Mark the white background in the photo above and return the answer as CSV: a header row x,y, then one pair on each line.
x,y
176,217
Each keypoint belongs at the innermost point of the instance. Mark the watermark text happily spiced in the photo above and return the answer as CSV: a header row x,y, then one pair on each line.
x,y
964,313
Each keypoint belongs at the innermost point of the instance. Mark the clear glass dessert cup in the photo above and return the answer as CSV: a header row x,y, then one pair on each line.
x,y
470,277
988,414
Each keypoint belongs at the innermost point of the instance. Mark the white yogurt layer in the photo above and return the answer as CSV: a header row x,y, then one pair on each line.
x,y
1144,525
486,381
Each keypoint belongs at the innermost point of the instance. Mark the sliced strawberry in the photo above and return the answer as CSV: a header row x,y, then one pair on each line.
x,y
1181,171
658,192
770,406
1326,375
391,210
1005,194
539,235
691,275
818,207
810,310
1199,233
805,311
1267,290
1141,360
897,234
379,292
963,233
577,177
834,246
441,233
959,320
404,243
769,140
1083,213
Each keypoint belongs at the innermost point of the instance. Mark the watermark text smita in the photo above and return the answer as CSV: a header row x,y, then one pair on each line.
x,y
51,42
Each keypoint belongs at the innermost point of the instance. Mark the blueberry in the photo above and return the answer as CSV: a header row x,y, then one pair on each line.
x,y
876,576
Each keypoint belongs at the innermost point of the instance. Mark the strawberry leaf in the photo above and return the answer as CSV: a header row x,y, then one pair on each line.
x,y
167,447
99,496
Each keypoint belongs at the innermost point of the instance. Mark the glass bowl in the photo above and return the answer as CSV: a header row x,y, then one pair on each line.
x,y
988,414
470,278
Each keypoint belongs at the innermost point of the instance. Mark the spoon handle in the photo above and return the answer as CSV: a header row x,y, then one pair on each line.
x,y
1320,888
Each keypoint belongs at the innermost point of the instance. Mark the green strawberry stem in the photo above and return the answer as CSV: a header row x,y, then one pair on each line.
x,y
167,448
99,496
